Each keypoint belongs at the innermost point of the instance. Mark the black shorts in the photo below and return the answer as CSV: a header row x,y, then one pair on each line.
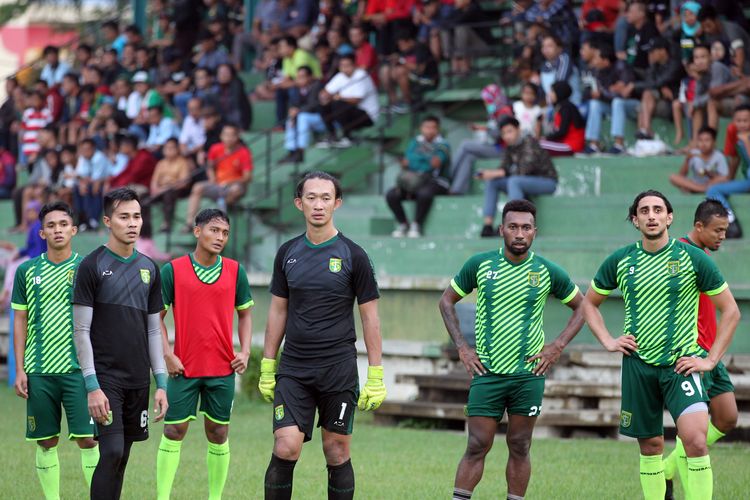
x,y
129,412
332,390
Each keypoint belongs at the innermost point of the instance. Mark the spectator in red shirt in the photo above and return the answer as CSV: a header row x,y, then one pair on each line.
x,y
365,56
600,15
140,168
389,17
229,169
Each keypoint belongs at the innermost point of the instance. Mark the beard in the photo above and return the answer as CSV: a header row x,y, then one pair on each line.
x,y
655,236
518,250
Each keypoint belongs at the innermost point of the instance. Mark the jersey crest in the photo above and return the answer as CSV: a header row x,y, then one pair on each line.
x,y
71,275
334,265
533,279
625,419
673,267
278,412
146,276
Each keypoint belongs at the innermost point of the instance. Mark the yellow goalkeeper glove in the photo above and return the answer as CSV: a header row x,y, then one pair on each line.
x,y
267,382
373,392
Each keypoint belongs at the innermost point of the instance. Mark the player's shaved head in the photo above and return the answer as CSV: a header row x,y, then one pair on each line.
x,y
633,210
299,191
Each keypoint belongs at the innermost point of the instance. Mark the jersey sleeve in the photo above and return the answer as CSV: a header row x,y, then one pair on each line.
x,y
562,286
18,299
242,297
279,285
86,283
167,285
155,301
363,275
606,277
466,279
709,279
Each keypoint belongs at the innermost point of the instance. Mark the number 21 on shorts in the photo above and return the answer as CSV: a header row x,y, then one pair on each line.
x,y
535,411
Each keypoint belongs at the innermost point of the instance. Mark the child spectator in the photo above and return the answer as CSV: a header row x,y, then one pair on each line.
x,y
171,181
526,170
567,135
421,178
528,112
701,165
688,33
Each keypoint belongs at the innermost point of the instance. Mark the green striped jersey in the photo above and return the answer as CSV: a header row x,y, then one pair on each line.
x,y
208,275
510,306
44,289
661,292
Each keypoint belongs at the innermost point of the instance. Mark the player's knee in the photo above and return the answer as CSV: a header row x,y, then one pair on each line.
x,y
86,443
519,446
477,447
336,452
48,443
726,421
695,444
174,432
111,455
217,434
651,446
287,449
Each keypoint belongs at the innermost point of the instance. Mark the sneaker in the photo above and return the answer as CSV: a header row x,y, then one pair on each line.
x,y
83,227
400,108
734,231
326,143
343,143
414,231
93,224
643,134
487,232
295,156
592,149
616,149
400,231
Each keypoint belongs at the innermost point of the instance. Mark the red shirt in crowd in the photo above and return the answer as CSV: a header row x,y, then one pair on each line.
x,y
393,9
366,57
229,166
140,169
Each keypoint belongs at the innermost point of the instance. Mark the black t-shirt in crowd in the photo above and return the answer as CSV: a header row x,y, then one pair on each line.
x,y
321,283
122,292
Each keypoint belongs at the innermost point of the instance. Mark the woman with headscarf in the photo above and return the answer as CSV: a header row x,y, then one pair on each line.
x,y
567,136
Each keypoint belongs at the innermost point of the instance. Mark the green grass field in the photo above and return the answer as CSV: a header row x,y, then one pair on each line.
x,y
390,463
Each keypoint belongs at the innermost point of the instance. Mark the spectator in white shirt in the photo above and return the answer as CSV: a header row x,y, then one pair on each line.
x,y
91,171
160,129
193,133
54,71
350,100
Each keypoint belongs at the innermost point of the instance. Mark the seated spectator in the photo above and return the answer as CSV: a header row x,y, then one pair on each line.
x,y
428,19
293,58
213,123
297,16
304,115
421,179
231,99
365,56
66,179
170,181
702,165
40,177
193,132
465,35
160,129
660,86
737,150
388,17
599,16
92,171
558,67
71,94
9,116
339,45
526,170
34,118
53,101
558,18
609,97
210,55
688,33
350,100
567,132
54,69
496,105
7,173
229,169
412,70
713,97
139,165
732,34
528,112
641,32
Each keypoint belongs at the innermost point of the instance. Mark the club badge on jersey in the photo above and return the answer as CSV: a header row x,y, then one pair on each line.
x,y
673,266
146,276
334,265
534,279
70,276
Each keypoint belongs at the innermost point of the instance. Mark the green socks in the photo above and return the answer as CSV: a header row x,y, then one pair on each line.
x,y
713,435
700,478
676,462
652,477
89,459
167,461
217,461
48,470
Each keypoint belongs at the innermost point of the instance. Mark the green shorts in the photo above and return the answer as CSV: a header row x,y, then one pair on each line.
x,y
43,408
717,381
647,389
490,395
216,395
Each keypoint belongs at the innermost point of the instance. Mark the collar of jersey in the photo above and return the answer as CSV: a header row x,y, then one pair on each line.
x,y
330,241
662,249
201,266
120,257
524,261
45,258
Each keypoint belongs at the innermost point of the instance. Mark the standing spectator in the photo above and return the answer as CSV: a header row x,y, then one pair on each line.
x,y
54,70
71,93
661,84
731,33
231,98
567,135
351,100
34,118
558,67
160,129
229,170
170,182
702,165
526,170
421,178
641,33
91,172
193,132
304,116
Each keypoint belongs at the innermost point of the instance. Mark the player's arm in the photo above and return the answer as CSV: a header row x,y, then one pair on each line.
x,y
97,402
368,313
174,364
551,352
158,366
245,331
594,319
728,320
275,326
447,306
20,323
